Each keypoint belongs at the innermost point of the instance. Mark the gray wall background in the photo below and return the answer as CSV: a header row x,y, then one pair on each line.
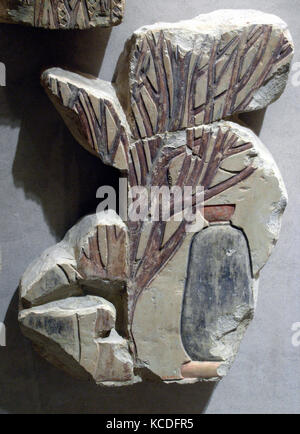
x,y
47,182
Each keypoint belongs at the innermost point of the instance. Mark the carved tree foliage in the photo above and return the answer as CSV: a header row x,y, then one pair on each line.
x,y
175,89
151,162
105,257
94,122
104,132
172,89
72,13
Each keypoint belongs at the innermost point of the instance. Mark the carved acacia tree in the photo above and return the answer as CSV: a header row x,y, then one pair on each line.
x,y
170,90
192,171
177,89
210,82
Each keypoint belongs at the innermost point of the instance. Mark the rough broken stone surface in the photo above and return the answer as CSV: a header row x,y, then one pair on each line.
x,y
93,253
63,14
182,300
83,329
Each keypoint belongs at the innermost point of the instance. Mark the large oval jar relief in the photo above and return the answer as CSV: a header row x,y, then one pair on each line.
x,y
218,298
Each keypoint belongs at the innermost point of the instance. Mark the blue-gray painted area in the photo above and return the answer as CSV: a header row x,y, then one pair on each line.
x,y
218,288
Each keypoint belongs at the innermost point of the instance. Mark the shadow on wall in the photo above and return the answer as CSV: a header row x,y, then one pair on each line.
x,y
54,171
254,120
50,166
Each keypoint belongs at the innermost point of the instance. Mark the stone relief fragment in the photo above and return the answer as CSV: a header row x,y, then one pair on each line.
x,y
63,14
122,301
174,76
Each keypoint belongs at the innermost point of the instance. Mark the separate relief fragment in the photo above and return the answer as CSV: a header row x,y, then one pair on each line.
x,y
91,110
62,14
